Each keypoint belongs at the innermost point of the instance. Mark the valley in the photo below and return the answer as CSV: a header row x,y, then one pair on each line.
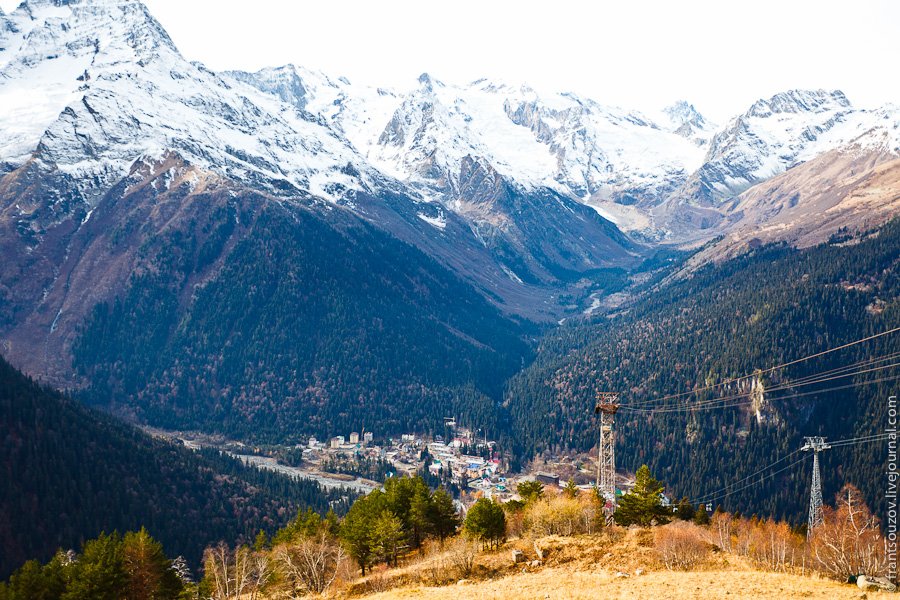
x,y
231,295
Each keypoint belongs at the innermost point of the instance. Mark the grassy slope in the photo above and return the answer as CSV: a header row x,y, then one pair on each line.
x,y
587,567
709,585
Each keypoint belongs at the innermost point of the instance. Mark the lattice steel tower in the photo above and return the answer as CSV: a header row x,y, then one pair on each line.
x,y
816,518
607,405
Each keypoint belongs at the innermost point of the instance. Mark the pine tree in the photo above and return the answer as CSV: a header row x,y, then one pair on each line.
x,y
486,522
357,526
148,572
420,510
445,518
387,536
261,542
98,574
530,491
643,504
571,490
685,510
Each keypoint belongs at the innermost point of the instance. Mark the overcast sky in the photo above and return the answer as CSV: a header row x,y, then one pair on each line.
x,y
721,55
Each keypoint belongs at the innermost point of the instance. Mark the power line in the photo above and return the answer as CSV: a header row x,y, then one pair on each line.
x,y
728,491
736,403
751,484
764,469
875,437
831,374
738,400
712,401
770,369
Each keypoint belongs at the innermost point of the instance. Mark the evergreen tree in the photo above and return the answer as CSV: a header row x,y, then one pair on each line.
x,y
33,582
701,517
99,572
486,522
387,536
530,491
261,542
357,526
148,572
421,508
571,490
643,504
685,510
445,518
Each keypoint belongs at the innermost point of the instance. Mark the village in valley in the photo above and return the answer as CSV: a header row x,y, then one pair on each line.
x,y
465,462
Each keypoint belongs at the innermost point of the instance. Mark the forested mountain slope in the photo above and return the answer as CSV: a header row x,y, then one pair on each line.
x,y
760,310
313,323
69,473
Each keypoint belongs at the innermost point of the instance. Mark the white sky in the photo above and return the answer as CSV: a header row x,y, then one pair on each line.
x,y
721,55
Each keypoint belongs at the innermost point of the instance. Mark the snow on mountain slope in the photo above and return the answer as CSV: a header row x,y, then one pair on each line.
x,y
90,87
601,151
777,133
559,141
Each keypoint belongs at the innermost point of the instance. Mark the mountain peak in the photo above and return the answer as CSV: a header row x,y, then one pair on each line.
x,y
800,101
428,82
683,112
686,121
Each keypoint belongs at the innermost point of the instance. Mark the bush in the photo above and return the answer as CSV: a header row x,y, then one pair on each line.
x,y
461,556
561,515
681,546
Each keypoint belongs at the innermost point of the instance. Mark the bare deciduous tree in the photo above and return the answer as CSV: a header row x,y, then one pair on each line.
x,y
462,554
311,564
240,574
850,541
722,526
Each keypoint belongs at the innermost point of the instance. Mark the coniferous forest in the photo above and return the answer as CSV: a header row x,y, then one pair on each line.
x,y
762,309
70,473
306,329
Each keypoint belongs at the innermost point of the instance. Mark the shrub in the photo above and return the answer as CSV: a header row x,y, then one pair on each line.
x,y
561,515
681,546
461,556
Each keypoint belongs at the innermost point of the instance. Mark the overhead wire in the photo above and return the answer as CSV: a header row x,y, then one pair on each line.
x,y
743,398
813,378
768,370
741,402
730,489
708,500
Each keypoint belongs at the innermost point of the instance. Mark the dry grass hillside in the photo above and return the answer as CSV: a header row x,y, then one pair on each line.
x,y
851,189
617,563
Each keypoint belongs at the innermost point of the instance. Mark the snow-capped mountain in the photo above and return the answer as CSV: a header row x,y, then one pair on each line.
x,y
117,153
89,89
560,141
664,176
91,86
780,132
